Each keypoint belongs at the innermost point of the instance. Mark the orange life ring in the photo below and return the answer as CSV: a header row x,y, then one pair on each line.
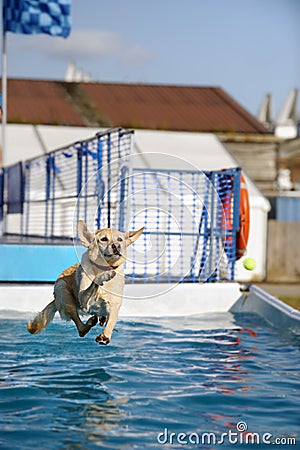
x,y
242,234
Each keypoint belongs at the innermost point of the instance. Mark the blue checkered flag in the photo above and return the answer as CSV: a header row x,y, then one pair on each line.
x,y
37,16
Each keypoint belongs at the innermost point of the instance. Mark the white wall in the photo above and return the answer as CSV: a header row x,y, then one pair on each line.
x,y
257,244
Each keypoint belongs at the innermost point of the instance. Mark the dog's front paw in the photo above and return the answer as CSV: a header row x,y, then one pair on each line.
x,y
105,276
102,339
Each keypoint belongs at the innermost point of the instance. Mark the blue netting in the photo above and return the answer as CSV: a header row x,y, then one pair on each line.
x,y
191,220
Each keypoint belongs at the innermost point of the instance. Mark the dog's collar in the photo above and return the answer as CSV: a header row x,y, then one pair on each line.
x,y
104,267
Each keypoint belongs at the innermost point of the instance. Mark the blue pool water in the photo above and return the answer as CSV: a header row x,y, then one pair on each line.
x,y
157,377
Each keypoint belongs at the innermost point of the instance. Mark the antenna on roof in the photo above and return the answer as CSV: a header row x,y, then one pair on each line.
x,y
76,74
70,72
288,112
265,113
287,121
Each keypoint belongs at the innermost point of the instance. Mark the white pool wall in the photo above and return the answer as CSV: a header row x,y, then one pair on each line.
x,y
140,300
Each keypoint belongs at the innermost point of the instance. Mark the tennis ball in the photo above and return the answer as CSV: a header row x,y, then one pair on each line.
x,y
249,263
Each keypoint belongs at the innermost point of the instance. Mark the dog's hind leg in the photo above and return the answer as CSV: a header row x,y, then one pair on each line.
x,y
102,320
67,307
83,328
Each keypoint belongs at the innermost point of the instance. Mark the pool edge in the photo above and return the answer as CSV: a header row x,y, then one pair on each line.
x,y
274,311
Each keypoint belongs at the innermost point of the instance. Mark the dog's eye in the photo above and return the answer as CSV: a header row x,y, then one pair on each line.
x,y
120,239
104,238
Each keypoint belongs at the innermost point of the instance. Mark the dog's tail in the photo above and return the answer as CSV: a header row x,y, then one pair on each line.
x,y
42,319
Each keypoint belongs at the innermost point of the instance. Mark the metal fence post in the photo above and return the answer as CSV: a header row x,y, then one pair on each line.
x,y
48,190
236,215
53,186
99,181
108,181
79,181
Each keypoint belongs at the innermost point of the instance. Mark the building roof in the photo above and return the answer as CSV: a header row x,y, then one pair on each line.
x,y
40,102
165,107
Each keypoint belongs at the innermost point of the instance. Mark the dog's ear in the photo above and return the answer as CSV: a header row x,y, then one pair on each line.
x,y
132,236
85,236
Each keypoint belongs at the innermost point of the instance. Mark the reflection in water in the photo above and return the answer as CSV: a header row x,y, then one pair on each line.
x,y
86,410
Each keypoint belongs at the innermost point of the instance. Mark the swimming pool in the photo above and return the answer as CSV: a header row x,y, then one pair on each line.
x,y
161,383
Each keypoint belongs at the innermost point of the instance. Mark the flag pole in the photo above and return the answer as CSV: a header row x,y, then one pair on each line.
x,y
4,96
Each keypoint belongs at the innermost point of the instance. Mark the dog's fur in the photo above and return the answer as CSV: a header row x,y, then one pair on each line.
x,y
94,287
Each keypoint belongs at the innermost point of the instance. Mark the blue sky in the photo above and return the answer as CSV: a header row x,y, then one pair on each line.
x,y
247,47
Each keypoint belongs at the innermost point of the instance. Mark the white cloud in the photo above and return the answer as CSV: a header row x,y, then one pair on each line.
x,y
89,44
136,55
87,47
80,44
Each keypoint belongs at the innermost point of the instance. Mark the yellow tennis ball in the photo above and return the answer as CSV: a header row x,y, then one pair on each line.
x,y
249,263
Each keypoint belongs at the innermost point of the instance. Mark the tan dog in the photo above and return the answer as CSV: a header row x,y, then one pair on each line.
x,y
95,286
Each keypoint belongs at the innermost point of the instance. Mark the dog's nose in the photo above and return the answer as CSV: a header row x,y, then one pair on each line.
x,y
116,247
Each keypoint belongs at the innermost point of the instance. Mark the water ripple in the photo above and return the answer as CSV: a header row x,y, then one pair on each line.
x,y
58,391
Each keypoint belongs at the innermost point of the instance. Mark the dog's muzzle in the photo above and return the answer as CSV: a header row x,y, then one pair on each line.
x,y
116,248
